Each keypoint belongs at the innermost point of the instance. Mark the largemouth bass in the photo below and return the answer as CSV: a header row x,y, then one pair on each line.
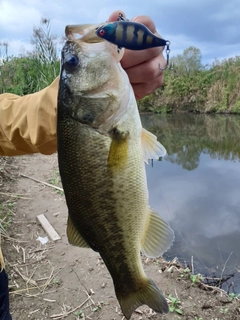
x,y
101,152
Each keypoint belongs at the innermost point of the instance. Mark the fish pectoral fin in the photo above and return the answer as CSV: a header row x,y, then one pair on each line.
x,y
148,294
158,236
118,153
152,149
74,236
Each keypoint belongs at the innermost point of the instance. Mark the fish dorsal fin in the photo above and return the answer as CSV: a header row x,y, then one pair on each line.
x,y
74,236
152,149
158,236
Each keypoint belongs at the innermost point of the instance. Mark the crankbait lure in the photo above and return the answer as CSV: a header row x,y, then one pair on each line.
x,y
130,35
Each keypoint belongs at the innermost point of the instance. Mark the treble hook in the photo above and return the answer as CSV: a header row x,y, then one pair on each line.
x,y
168,53
121,17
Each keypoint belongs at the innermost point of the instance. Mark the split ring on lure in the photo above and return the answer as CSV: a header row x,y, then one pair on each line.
x,y
131,35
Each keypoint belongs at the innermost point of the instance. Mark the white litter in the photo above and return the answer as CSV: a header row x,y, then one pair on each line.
x,y
43,240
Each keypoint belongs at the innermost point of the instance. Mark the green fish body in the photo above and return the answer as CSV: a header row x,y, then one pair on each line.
x,y
101,152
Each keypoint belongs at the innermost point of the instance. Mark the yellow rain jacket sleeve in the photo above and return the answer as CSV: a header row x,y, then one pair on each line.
x,y
28,123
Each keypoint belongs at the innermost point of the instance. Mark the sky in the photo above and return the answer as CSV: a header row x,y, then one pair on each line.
x,y
213,26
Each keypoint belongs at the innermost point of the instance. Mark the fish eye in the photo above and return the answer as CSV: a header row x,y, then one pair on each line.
x,y
71,62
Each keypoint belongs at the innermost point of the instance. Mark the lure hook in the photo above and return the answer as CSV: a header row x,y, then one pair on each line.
x,y
168,54
121,17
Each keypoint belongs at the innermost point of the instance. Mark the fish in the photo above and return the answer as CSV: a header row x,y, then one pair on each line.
x,y
130,35
102,150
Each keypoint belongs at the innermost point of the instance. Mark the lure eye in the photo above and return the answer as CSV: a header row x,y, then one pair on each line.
x,y
101,32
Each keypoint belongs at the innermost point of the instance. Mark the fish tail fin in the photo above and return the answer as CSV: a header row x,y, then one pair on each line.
x,y
149,295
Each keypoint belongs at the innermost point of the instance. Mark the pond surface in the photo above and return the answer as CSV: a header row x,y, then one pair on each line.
x,y
196,188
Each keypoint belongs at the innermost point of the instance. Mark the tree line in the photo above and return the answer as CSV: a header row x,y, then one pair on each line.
x,y
189,86
192,87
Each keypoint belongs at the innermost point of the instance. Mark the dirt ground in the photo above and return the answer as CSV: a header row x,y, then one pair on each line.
x,y
58,281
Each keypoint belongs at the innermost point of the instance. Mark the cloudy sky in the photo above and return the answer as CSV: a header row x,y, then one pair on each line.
x,y
212,26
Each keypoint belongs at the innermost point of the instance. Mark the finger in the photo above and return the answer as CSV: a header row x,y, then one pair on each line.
x,y
136,57
114,16
132,58
143,89
146,71
148,22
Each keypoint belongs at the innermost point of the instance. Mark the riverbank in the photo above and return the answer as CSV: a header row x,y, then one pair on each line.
x,y
58,281
214,89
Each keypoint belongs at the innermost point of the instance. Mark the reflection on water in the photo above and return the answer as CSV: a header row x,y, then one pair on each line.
x,y
196,188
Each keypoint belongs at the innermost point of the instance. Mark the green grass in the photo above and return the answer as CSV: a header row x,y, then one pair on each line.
x,y
174,305
56,181
6,212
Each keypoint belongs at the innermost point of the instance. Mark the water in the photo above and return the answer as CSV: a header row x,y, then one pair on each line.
x,y
196,188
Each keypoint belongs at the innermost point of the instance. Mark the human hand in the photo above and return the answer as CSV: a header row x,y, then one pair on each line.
x,y
142,66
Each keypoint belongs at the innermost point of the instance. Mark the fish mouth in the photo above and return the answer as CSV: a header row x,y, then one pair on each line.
x,y
86,34
83,32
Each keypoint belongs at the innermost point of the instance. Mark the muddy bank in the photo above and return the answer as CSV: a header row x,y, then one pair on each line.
x,y
58,281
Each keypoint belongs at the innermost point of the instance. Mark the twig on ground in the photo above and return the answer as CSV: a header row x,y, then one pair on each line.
x,y
52,276
28,280
192,265
213,288
65,314
88,295
39,181
24,254
224,267
25,289
13,239
49,300
14,195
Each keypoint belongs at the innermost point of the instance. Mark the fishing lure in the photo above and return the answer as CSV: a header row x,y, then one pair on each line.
x,y
131,35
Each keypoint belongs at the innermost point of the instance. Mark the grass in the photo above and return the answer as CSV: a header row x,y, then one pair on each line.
x,y
174,305
196,279
6,212
56,181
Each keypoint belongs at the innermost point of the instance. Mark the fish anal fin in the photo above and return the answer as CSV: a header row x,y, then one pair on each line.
x,y
74,236
149,294
158,236
152,149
